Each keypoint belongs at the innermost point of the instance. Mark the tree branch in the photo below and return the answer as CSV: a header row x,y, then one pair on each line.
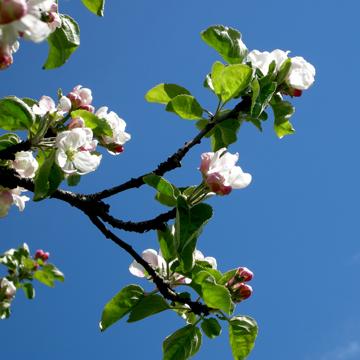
x,y
9,152
165,290
174,161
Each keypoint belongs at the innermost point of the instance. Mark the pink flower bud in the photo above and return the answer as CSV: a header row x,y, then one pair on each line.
x,y
12,10
297,93
75,99
241,291
89,108
244,274
40,254
6,60
118,149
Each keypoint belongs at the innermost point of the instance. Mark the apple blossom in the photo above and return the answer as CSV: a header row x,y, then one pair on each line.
x,y
64,104
25,164
242,274
301,74
74,149
77,122
262,60
81,97
53,18
9,197
9,287
23,17
45,106
220,173
209,259
40,254
155,260
115,142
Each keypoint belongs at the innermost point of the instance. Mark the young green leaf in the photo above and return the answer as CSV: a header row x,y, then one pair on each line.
x,y
242,334
7,140
263,99
147,306
167,244
100,127
48,275
120,305
283,110
41,180
227,42
188,226
73,180
211,328
28,290
15,114
186,106
62,42
167,192
214,295
163,93
95,6
182,344
225,134
229,81
283,71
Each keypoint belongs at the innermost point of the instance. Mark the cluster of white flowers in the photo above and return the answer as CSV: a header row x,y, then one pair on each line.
x,y
159,264
221,174
29,19
301,74
7,295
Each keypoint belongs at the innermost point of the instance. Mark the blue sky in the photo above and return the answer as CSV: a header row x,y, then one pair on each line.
x,y
296,226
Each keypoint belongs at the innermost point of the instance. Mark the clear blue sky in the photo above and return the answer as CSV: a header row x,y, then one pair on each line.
x,y
296,226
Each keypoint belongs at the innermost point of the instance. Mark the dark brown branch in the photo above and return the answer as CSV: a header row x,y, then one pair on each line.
x,y
164,288
156,223
174,161
9,152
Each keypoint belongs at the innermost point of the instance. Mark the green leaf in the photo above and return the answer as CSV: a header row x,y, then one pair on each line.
x,y
211,328
255,87
231,80
7,140
167,244
283,110
225,134
73,180
41,180
163,93
227,276
186,106
56,176
120,305
227,42
167,193
214,295
95,6
283,71
100,127
262,101
147,306
15,114
48,275
242,333
62,42
28,290
188,226
182,344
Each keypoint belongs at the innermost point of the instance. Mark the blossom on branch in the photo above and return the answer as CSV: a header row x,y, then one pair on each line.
x,y
74,151
9,197
81,98
25,164
113,143
221,174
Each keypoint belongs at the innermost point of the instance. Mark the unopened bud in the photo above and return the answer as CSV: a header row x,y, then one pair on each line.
x,y
76,123
6,60
296,93
40,254
241,291
244,274
12,10
89,108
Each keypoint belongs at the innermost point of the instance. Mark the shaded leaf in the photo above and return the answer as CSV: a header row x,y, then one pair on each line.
x,y
167,244
120,305
186,106
62,42
182,344
147,306
283,110
242,334
211,328
15,114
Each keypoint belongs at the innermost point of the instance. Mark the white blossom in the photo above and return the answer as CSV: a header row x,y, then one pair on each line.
x,y
155,260
25,164
301,74
119,136
220,173
9,287
9,197
74,149
45,106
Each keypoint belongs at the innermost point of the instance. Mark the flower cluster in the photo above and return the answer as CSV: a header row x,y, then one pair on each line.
x,y
300,76
29,19
220,173
7,295
237,284
159,264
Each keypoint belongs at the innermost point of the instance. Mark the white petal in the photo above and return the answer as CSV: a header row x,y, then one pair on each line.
x,y
85,162
136,269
